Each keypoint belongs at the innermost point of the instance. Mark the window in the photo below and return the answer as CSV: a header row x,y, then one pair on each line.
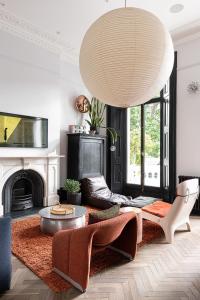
x,y
134,145
152,144
144,139
144,162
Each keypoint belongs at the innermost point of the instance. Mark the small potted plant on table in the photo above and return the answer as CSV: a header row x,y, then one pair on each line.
x,y
73,191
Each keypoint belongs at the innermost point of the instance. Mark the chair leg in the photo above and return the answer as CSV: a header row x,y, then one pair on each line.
x,y
188,226
169,235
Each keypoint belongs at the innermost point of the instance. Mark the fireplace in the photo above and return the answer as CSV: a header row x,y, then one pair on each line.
x,y
23,190
22,197
34,179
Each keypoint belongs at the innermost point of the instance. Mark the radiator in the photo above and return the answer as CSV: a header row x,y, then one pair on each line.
x,y
196,209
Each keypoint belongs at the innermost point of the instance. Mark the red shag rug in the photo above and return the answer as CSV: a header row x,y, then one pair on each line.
x,y
33,248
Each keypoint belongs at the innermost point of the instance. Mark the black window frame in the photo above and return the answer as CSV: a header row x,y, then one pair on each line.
x,y
142,188
117,161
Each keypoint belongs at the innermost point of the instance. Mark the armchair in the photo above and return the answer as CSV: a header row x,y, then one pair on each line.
x,y
5,253
171,216
95,192
72,249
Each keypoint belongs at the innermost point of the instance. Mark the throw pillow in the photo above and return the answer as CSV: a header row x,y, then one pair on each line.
x,y
102,215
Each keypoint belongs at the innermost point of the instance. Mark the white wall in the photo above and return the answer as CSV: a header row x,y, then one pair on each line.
x,y
35,82
71,86
188,110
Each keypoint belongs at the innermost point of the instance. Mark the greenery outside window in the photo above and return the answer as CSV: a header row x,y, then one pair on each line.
x,y
145,144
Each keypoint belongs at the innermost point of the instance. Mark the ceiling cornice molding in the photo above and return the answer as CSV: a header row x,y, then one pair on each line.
x,y
186,33
31,33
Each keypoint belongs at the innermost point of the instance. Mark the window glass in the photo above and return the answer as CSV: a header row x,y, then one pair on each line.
x,y
134,145
152,144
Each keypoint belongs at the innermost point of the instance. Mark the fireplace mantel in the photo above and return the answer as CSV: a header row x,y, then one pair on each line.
x,y
47,166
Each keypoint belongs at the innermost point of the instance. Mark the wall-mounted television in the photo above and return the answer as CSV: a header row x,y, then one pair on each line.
x,y
23,131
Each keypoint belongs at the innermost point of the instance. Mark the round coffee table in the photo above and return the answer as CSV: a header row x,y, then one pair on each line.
x,y
50,223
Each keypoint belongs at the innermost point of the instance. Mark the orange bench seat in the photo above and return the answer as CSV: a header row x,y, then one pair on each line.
x,y
158,208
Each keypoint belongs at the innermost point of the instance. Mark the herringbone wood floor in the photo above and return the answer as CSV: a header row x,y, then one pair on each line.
x,y
160,271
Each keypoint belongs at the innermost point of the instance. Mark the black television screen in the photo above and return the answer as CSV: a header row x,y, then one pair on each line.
x,y
23,131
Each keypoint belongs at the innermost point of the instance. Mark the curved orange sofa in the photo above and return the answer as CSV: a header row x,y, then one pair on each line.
x,y
72,249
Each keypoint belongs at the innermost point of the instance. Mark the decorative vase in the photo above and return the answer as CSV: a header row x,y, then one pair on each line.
x,y
97,130
74,198
112,148
92,132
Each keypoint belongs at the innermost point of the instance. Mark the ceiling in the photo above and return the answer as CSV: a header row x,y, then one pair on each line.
x,y
71,18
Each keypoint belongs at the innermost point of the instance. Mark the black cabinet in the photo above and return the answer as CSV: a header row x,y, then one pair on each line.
x,y
86,156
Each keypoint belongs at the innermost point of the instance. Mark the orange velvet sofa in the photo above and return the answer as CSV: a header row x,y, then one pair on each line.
x,y
72,249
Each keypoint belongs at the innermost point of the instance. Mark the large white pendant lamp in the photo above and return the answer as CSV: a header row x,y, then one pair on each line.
x,y
126,57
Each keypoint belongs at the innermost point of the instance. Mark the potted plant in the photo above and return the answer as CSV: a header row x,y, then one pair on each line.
x,y
73,191
96,115
96,112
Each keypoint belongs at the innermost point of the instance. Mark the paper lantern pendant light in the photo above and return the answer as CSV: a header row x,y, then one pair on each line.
x,y
126,57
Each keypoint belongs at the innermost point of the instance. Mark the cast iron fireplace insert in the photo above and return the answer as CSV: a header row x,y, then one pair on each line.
x,y
23,190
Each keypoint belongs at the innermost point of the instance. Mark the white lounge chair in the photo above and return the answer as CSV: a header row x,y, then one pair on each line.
x,y
171,216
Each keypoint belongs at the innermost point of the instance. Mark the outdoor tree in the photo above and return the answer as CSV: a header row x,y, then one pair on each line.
x,y
151,132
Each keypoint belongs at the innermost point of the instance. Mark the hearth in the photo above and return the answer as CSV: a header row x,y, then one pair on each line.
x,y
22,191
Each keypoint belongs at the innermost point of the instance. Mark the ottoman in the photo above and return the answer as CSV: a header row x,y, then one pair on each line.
x,y
138,213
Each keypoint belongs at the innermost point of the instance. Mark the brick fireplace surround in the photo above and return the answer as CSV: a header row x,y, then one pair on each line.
x,y
46,166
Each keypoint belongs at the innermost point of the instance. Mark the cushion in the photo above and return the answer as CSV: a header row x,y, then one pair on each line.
x,y
98,216
95,192
158,208
142,201
96,184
